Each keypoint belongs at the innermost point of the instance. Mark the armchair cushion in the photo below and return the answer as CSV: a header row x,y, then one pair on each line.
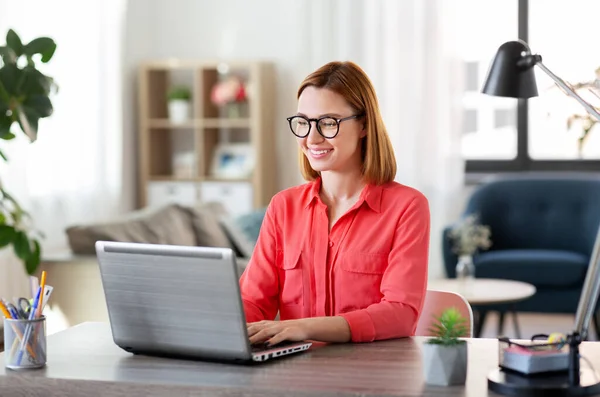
x,y
540,267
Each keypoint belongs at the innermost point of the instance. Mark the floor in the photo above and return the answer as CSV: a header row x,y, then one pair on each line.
x,y
531,324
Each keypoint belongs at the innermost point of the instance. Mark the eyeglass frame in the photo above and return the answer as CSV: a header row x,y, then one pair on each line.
x,y
338,121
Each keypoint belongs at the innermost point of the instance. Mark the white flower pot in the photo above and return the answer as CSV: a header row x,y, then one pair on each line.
x,y
179,111
445,365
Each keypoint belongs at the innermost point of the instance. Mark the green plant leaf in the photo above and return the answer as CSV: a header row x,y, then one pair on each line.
x,y
8,55
32,263
5,121
42,45
3,156
21,245
34,82
14,42
7,235
10,77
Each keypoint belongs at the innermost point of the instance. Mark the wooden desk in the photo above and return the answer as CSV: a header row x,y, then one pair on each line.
x,y
83,361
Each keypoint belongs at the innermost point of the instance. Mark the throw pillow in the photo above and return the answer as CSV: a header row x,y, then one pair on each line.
x,y
169,224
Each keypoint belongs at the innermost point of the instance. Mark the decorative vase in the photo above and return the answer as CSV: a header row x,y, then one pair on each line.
x,y
445,365
179,111
465,269
235,110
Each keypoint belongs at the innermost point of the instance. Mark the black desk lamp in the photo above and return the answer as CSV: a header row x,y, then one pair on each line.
x,y
512,75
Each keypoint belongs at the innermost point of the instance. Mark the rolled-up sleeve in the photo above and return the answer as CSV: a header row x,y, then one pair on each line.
x,y
404,282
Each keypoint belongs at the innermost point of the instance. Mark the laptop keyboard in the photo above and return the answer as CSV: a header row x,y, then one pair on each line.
x,y
258,347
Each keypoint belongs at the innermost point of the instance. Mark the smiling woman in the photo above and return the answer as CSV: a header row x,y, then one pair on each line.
x,y
342,257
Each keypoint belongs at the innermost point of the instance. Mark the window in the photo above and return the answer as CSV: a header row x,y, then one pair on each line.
x,y
506,134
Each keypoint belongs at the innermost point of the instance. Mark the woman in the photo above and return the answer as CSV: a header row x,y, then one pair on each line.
x,y
344,256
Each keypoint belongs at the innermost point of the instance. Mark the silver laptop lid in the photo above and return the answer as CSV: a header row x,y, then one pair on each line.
x,y
174,300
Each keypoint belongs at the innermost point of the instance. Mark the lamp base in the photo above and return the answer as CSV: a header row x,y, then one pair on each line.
x,y
511,383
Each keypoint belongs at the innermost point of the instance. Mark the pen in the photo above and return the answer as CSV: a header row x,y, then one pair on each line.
x,y
40,296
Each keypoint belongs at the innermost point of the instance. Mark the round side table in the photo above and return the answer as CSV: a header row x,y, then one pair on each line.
x,y
487,291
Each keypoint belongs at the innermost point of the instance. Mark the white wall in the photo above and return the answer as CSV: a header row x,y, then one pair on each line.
x,y
203,29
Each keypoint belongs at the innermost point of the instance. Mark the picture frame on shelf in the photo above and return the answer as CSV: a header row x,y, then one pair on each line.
x,y
232,161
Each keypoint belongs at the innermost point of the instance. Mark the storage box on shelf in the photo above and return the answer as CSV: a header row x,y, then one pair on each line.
x,y
224,152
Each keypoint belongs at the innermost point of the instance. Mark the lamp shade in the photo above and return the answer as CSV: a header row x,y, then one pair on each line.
x,y
511,75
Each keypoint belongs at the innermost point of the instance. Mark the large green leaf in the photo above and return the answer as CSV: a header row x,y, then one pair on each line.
x,y
10,77
7,235
34,108
5,121
42,45
31,263
40,105
34,82
21,245
14,42
8,55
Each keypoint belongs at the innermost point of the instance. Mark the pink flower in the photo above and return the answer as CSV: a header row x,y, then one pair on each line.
x,y
230,90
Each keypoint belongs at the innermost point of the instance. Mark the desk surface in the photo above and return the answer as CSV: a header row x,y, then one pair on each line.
x,y
84,361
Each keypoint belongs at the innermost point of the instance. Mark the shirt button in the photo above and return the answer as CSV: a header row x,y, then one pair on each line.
x,y
330,243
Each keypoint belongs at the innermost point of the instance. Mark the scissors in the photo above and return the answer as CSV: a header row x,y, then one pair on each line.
x,y
22,308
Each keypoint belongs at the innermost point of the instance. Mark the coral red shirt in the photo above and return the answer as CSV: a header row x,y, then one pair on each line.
x,y
370,269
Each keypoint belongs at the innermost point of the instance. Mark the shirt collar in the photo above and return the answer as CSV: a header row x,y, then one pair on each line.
x,y
371,194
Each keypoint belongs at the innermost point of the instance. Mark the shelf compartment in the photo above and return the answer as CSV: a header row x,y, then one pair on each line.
x,y
166,123
172,154
213,75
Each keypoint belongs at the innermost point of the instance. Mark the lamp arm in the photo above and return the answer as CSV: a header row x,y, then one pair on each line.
x,y
569,90
589,294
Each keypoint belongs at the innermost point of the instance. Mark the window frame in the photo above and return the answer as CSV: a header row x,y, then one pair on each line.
x,y
523,162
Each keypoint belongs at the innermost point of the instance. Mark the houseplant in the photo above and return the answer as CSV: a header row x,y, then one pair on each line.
x,y
468,236
24,100
445,355
179,104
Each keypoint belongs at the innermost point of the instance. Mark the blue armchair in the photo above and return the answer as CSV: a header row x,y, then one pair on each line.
x,y
543,232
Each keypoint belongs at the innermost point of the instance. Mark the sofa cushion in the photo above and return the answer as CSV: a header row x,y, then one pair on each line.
x,y
169,224
243,230
542,268
207,228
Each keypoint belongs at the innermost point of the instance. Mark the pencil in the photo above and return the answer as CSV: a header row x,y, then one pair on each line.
x,y
4,310
42,286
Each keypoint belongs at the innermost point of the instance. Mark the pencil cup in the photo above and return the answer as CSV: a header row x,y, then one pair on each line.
x,y
25,343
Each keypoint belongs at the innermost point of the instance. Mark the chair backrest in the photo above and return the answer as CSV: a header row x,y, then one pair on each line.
x,y
539,212
438,301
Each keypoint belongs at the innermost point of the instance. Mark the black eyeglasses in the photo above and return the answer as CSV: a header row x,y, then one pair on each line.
x,y
327,126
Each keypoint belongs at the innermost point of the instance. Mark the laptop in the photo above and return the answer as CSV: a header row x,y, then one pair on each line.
x,y
179,301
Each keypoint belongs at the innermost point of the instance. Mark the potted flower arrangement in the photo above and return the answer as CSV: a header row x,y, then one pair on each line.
x,y
179,104
230,94
445,356
468,236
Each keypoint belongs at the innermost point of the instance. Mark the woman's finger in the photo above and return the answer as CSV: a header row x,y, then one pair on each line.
x,y
263,334
253,328
279,337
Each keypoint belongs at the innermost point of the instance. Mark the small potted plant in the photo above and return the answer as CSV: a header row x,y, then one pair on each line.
x,y
179,104
468,236
445,355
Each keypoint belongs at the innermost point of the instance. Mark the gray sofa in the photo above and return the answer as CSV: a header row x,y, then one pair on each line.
x,y
207,225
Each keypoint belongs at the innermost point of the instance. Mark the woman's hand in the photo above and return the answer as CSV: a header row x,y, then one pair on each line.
x,y
274,332
322,329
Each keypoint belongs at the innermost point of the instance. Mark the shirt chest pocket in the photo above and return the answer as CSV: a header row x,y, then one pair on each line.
x,y
291,274
362,273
